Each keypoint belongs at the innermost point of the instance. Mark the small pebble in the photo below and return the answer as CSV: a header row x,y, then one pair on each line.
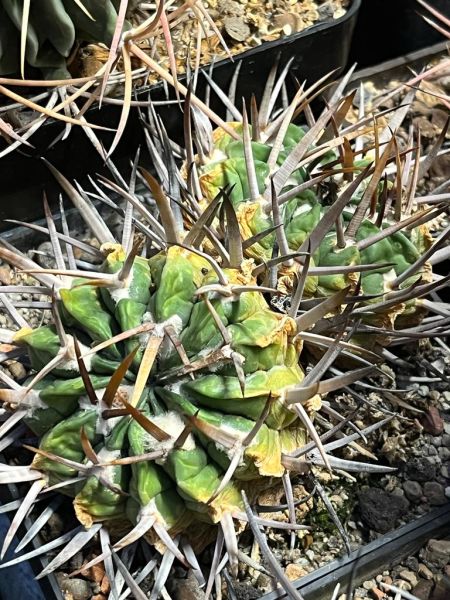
x,y
79,589
411,563
437,553
422,591
368,585
310,555
410,577
402,584
440,591
76,562
5,275
44,256
444,453
236,28
435,493
413,490
424,571
55,527
294,572
445,471
189,589
264,582
420,469
17,370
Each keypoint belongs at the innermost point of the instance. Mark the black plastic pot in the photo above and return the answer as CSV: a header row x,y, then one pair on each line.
x,y
316,51
388,29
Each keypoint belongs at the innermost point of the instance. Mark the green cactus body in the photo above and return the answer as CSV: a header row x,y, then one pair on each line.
x,y
226,166
223,392
177,488
197,477
128,303
43,345
178,280
262,457
97,502
82,308
58,399
64,440
151,489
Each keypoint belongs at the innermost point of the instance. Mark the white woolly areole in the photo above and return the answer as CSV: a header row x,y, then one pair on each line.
x,y
167,347
144,337
31,401
388,278
217,155
172,424
147,317
71,364
175,387
151,510
122,292
239,437
227,351
106,456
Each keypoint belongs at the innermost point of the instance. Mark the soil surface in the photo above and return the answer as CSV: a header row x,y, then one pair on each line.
x,y
238,26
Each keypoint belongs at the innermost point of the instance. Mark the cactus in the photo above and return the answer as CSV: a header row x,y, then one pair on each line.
x,y
169,391
165,387
279,178
301,214
255,354
226,165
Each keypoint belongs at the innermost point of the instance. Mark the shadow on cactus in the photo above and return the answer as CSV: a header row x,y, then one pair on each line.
x,y
170,390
